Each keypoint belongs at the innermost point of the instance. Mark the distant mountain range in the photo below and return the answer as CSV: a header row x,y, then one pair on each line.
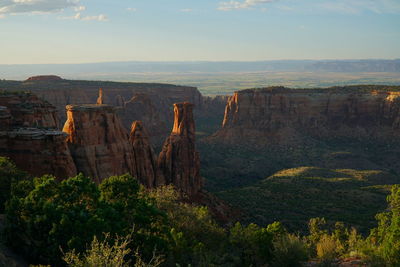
x,y
76,70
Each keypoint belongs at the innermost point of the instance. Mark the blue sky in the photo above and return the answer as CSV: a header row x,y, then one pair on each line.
x,y
76,31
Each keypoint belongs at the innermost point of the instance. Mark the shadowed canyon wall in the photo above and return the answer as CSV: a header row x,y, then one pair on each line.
x,y
29,136
284,116
144,160
98,142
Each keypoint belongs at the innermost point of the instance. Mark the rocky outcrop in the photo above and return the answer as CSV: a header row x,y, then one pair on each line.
x,y
28,110
179,160
145,162
98,142
100,100
44,78
29,136
38,151
281,115
67,92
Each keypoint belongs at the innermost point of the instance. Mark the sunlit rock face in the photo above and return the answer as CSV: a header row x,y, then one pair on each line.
x,y
284,116
179,160
98,142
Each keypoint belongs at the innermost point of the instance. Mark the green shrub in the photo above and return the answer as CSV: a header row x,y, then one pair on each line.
x,y
385,239
289,250
101,253
9,174
252,242
327,249
45,215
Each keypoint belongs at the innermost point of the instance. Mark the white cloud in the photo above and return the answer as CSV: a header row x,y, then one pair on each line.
x,y
246,4
80,8
2,16
131,9
100,17
359,6
79,16
35,6
186,10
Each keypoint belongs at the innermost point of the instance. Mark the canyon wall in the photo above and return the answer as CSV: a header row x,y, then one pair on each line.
x,y
60,92
281,115
38,151
98,142
28,110
29,136
179,160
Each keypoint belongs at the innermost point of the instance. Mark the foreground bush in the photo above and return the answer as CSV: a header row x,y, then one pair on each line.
x,y
45,215
9,174
289,250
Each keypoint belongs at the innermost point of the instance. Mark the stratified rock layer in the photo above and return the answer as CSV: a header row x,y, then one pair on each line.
x,y
145,162
61,93
179,160
38,151
280,115
28,110
29,136
98,142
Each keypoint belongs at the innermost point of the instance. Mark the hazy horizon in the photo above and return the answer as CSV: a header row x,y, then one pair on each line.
x,y
80,31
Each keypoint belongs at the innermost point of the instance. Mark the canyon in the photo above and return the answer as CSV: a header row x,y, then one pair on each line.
x,y
284,116
129,97
242,138
95,142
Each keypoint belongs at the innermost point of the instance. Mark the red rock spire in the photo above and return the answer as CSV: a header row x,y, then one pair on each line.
x,y
179,160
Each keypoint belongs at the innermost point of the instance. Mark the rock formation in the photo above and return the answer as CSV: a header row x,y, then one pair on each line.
x,y
66,92
29,137
28,110
141,107
145,162
38,151
100,100
179,160
281,115
98,142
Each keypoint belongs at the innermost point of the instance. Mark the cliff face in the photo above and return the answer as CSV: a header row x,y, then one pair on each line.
x,y
29,137
267,116
179,160
98,142
142,108
145,162
65,92
28,110
38,151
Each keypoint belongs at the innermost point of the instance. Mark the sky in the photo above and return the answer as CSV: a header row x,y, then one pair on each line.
x,y
79,31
